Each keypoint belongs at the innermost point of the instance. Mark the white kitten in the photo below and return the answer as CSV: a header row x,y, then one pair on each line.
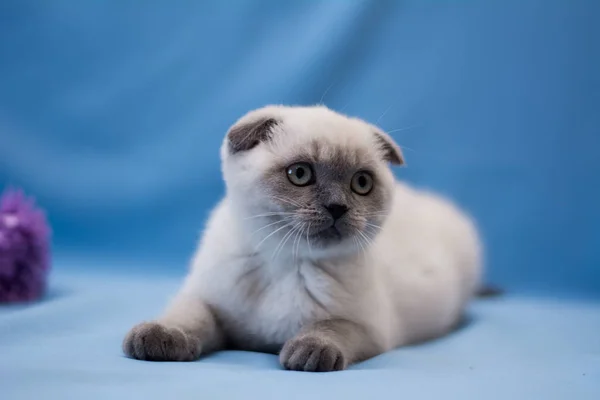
x,y
316,252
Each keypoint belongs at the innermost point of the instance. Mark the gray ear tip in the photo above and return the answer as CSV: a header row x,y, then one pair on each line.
x,y
391,151
398,161
247,135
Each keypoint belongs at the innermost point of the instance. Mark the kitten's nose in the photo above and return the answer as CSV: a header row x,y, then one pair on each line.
x,y
336,210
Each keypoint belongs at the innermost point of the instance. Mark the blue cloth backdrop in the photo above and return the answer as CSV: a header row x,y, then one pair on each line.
x,y
112,113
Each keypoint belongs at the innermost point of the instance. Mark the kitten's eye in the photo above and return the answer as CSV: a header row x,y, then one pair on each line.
x,y
300,174
362,183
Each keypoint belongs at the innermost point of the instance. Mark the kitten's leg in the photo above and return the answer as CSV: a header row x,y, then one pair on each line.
x,y
329,345
185,331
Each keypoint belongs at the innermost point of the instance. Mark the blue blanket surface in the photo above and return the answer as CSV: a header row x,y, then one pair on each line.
x,y
69,346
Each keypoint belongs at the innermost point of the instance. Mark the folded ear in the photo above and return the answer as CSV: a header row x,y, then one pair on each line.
x,y
249,133
391,151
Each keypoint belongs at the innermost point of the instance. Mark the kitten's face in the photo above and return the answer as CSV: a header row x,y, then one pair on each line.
x,y
318,184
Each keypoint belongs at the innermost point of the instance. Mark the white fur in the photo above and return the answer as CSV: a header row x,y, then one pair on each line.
x,y
411,283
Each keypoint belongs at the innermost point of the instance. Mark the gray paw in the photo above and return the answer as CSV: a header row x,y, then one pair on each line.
x,y
312,353
154,342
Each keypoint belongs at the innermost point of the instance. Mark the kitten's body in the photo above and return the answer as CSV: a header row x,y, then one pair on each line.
x,y
406,275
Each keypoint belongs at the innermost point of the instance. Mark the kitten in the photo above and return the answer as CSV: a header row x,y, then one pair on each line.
x,y
316,252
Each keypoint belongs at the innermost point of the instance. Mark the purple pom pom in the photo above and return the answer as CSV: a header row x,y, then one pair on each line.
x,y
24,248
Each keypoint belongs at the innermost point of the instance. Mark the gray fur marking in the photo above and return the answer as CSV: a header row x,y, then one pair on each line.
x,y
391,150
333,175
247,136
153,342
329,345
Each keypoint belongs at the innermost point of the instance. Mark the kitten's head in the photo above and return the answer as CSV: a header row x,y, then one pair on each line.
x,y
307,181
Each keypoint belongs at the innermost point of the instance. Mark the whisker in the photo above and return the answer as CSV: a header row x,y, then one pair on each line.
x,y
281,241
325,93
366,248
378,212
407,148
376,215
368,241
359,245
270,214
284,240
403,129
385,112
289,201
297,241
355,242
271,234
373,225
271,224
308,239
371,231
362,247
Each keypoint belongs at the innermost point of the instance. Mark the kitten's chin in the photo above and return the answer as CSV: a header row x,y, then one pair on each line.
x,y
328,235
332,244
333,241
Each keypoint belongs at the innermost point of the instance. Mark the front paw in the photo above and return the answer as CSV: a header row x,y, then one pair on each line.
x,y
152,341
312,353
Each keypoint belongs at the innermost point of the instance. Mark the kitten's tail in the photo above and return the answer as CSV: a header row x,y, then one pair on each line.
x,y
488,291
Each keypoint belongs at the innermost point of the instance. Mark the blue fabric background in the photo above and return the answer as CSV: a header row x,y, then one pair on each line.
x,y
112,113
